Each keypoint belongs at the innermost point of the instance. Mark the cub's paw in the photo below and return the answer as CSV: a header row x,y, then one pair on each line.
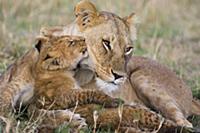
x,y
5,124
78,121
114,102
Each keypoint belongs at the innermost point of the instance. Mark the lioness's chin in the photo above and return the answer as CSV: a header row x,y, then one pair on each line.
x,y
106,87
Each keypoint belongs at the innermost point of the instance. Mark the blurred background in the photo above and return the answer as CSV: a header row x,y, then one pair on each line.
x,y
169,30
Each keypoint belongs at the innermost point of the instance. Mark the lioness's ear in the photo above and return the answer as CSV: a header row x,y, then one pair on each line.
x,y
132,21
40,42
86,14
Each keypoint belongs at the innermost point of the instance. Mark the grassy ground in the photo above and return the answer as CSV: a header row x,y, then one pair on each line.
x,y
168,31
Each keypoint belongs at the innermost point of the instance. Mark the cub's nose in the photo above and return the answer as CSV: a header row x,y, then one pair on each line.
x,y
116,76
84,50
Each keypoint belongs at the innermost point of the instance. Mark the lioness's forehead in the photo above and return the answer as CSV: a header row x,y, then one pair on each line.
x,y
118,21
111,26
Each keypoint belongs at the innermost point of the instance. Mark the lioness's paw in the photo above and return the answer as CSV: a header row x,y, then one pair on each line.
x,y
184,123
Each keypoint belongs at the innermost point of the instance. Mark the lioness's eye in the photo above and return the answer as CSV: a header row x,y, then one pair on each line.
x,y
47,57
128,50
106,44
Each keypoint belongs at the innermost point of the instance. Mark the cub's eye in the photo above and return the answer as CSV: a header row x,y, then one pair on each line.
x,y
71,43
128,50
106,44
55,62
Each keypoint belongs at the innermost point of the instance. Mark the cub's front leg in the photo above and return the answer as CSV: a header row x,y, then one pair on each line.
x,y
68,99
89,96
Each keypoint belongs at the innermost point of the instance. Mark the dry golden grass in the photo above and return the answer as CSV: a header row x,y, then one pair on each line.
x,y
168,31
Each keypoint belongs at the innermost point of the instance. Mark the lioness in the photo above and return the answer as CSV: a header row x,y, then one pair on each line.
x,y
109,42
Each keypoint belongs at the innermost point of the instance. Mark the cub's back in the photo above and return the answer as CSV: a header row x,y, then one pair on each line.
x,y
18,80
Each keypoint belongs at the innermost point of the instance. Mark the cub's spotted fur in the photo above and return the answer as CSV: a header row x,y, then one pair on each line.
x,y
46,72
55,85
17,80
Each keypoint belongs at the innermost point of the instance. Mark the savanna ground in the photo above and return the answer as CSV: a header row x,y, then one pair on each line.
x,y
168,30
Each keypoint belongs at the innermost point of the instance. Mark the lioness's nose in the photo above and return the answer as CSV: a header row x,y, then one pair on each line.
x,y
116,76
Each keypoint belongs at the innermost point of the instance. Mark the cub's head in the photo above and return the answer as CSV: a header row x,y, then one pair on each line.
x,y
60,52
109,40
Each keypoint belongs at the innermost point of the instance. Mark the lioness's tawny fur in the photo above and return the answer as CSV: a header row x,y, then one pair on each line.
x,y
109,41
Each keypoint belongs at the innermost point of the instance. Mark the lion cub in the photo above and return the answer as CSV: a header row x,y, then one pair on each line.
x,y
55,85
46,72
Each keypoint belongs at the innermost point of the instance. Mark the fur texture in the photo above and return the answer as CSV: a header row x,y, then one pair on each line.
x,y
109,39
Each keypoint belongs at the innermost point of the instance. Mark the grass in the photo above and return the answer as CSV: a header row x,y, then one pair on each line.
x,y
168,30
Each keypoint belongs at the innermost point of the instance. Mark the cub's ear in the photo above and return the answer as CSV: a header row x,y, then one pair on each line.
x,y
44,31
86,14
40,42
132,21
